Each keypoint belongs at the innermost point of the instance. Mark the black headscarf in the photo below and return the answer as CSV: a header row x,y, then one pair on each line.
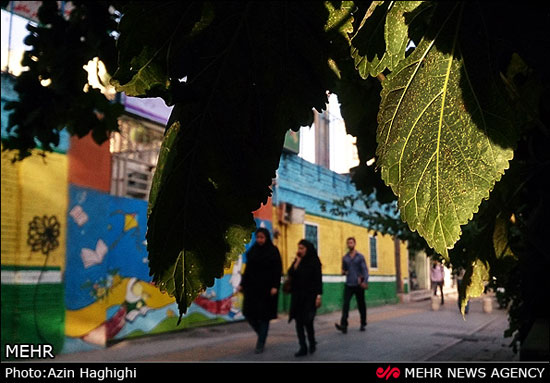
x,y
311,251
307,283
260,253
262,273
265,232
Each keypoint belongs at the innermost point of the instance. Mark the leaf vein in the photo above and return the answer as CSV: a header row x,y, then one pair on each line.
x,y
411,130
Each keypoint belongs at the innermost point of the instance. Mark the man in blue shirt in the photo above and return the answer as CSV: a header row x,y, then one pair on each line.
x,y
354,267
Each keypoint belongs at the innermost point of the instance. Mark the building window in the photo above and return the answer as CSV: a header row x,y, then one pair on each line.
x,y
312,234
373,253
135,149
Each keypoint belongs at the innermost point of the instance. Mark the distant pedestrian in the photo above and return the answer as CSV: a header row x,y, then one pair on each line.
x,y
354,267
459,277
437,276
260,285
306,290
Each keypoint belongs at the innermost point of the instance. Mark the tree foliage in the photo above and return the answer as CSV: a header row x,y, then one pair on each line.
x,y
450,99
59,49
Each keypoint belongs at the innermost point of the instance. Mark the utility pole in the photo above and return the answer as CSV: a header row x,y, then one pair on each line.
x,y
399,281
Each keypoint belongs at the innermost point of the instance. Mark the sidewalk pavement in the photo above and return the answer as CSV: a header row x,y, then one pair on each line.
x,y
400,332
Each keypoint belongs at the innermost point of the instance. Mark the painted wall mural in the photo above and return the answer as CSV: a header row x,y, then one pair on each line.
x,y
108,290
74,258
43,234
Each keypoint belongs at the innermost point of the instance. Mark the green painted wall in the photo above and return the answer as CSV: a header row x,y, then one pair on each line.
x,y
33,314
378,294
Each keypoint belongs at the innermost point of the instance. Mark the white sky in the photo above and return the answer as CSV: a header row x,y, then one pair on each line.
x,y
343,152
18,34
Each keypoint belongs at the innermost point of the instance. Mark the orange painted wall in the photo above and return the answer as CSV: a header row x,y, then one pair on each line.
x,y
89,163
265,212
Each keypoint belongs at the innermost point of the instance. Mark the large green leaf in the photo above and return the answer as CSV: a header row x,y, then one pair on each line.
x,y
227,130
500,238
340,19
151,38
165,163
149,75
382,37
184,279
354,93
475,278
368,46
444,136
396,28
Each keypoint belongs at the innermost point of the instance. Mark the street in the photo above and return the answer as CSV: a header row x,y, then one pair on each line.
x,y
401,332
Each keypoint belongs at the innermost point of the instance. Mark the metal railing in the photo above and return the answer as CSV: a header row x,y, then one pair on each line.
x,y
131,177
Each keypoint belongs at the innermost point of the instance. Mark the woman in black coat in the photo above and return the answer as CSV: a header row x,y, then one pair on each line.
x,y
306,289
260,285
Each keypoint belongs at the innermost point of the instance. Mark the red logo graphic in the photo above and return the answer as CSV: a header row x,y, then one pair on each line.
x,y
388,372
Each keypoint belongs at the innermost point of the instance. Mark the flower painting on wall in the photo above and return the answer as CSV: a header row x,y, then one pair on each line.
x,y
43,234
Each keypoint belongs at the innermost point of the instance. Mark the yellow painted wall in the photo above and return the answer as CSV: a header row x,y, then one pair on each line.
x,y
386,255
36,186
11,200
332,236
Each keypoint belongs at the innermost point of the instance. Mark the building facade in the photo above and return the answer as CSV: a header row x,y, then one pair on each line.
x,y
305,192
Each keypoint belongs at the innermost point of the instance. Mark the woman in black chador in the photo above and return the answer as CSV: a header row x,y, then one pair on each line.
x,y
306,289
260,285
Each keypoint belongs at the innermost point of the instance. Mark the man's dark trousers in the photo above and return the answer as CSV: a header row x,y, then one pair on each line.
x,y
359,293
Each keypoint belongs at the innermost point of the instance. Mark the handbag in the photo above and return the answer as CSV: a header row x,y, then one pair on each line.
x,y
287,284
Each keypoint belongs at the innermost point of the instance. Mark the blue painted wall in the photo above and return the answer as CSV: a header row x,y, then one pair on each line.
x,y
306,185
126,252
